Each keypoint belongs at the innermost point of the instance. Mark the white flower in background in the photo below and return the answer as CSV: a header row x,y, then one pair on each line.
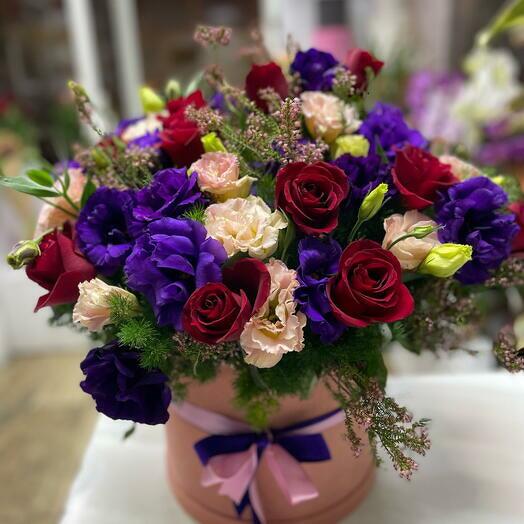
x,y
92,309
277,328
245,225
460,168
327,116
148,125
218,173
487,94
411,251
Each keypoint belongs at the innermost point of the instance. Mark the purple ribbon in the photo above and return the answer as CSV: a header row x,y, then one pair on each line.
x,y
233,451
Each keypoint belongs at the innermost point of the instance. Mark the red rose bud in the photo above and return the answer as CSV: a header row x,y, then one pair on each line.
x,y
368,287
418,176
59,269
217,312
311,194
358,61
518,242
262,77
180,136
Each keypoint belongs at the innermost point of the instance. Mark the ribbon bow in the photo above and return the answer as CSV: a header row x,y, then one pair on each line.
x,y
233,451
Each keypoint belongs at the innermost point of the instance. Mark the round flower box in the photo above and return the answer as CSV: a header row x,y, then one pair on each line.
x,y
342,482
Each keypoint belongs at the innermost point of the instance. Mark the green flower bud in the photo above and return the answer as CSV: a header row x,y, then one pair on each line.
x,y
100,158
372,203
151,102
422,231
212,143
23,253
355,145
173,89
445,260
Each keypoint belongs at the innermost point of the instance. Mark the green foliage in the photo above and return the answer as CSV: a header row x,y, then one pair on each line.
x,y
28,186
266,188
196,213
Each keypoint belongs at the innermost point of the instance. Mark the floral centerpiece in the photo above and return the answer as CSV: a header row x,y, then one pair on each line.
x,y
284,232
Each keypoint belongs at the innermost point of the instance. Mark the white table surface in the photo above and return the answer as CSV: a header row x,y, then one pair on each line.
x,y
474,472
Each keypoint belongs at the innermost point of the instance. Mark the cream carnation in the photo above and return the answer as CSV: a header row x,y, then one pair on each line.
x,y
411,251
461,169
51,217
92,309
245,225
327,116
218,174
277,328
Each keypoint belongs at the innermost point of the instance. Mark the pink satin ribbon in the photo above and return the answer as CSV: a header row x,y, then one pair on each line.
x,y
235,472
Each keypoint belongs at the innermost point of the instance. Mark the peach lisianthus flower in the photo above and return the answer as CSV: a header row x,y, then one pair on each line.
x,y
93,307
327,116
277,328
51,217
218,174
411,251
460,168
245,225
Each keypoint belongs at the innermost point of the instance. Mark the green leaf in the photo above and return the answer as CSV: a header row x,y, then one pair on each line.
x,y
287,236
27,186
511,16
40,177
67,180
194,83
89,189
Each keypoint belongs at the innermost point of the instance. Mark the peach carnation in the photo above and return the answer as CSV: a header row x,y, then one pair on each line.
x,y
277,328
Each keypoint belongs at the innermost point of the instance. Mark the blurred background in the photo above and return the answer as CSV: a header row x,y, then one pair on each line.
x,y
112,47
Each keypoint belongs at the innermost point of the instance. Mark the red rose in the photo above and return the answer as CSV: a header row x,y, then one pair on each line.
x,y
180,136
263,76
518,242
59,269
358,61
217,312
368,287
418,176
311,195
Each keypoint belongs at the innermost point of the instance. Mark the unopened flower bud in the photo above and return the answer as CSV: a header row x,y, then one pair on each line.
x,y
422,231
372,203
173,89
23,253
355,145
445,260
151,101
213,144
100,158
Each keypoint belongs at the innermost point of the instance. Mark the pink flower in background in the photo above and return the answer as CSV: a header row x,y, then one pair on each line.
x,y
218,174
460,168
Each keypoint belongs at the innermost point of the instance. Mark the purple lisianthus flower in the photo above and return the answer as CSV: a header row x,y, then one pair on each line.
x,y
316,69
139,132
169,261
429,96
122,389
103,229
385,126
503,151
170,193
365,173
318,260
470,212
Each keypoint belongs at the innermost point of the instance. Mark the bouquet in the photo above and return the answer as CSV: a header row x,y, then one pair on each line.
x,y
286,229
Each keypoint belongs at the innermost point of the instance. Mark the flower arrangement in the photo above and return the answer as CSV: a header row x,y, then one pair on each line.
x,y
285,229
